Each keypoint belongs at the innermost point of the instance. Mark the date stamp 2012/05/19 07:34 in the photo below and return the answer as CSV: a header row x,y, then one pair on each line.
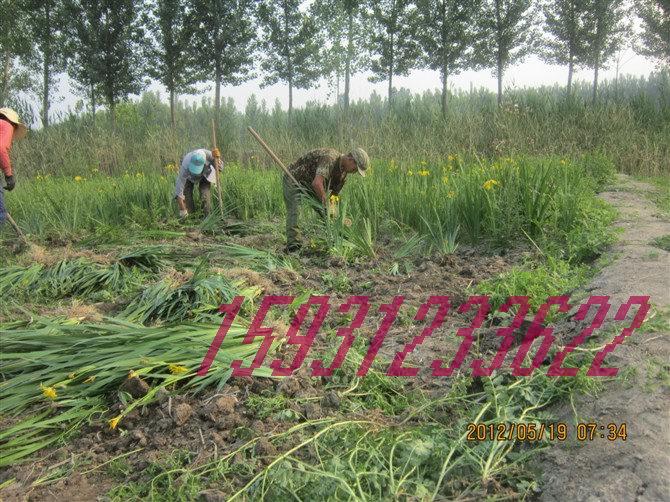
x,y
552,431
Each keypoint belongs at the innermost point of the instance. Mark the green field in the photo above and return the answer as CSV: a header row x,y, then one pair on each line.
x,y
114,290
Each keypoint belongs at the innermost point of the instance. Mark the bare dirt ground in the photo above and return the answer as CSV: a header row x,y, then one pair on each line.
x,y
639,468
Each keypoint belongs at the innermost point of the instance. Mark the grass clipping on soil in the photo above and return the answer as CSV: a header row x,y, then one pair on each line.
x,y
61,372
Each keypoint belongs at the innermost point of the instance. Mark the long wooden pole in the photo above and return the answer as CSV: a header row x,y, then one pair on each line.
x,y
216,171
272,155
16,228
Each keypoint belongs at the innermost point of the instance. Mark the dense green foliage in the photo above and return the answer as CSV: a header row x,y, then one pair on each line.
x,y
630,125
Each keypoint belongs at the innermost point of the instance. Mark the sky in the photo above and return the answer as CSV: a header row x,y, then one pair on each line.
x,y
533,72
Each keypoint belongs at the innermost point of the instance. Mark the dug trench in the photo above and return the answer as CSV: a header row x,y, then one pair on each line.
x,y
249,414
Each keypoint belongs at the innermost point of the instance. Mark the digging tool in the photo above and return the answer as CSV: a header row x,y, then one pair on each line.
x,y
216,172
273,156
16,228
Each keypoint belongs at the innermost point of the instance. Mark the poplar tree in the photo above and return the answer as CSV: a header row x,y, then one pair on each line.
x,y
15,49
507,35
291,45
344,24
109,48
446,35
171,59
605,30
224,40
82,49
655,37
47,19
393,43
565,34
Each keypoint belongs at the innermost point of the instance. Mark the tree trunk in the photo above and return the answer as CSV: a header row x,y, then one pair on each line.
x,y
444,92
217,91
499,53
6,70
46,51
112,114
172,104
350,56
595,82
500,82
93,102
391,61
571,68
45,95
289,64
290,96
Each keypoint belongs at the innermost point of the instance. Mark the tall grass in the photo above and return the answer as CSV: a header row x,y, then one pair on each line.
x,y
456,200
630,123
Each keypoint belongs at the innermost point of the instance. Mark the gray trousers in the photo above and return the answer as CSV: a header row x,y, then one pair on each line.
x,y
204,187
292,198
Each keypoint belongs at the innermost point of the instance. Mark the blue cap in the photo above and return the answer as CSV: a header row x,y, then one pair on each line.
x,y
196,164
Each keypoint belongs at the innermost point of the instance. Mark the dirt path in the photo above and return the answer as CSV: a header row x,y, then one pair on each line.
x,y
639,468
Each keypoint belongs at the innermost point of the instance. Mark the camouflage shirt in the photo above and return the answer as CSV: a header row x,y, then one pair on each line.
x,y
323,161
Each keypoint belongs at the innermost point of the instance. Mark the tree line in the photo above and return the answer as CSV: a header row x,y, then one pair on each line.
x,y
113,48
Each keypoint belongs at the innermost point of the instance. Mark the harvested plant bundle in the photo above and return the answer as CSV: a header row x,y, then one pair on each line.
x,y
62,373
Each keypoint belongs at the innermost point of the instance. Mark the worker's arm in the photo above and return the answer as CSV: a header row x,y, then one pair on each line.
x,y
320,190
6,134
179,190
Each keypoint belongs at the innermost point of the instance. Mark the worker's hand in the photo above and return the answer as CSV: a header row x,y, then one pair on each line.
x,y
216,153
183,213
10,183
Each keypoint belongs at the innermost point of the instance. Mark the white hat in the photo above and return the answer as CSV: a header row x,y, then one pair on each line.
x,y
13,117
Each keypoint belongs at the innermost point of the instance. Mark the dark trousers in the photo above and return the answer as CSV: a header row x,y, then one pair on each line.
x,y
3,211
204,187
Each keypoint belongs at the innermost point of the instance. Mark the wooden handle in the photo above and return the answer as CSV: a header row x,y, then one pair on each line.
x,y
219,188
16,227
272,154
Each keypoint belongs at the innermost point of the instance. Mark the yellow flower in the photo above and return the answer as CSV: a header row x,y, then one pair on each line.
x,y
114,422
562,162
49,392
90,379
488,185
423,172
176,369
445,180
410,173
334,198
450,158
78,179
451,195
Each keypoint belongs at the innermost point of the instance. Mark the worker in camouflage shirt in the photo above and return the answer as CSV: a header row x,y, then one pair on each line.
x,y
319,173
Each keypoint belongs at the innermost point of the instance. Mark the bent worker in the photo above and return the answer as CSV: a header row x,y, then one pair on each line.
x,y
320,173
11,128
198,167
